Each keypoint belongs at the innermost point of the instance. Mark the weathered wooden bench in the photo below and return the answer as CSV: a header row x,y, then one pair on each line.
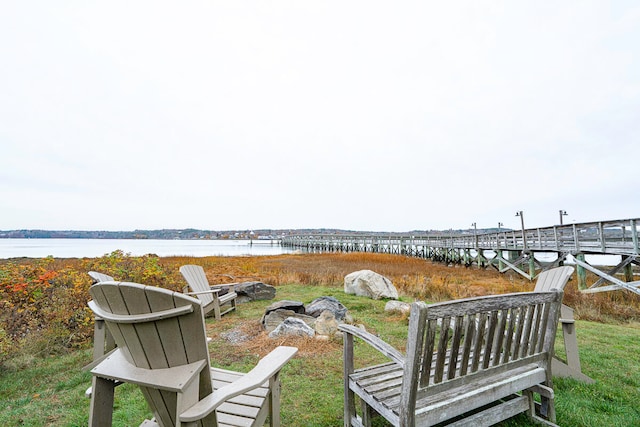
x,y
473,362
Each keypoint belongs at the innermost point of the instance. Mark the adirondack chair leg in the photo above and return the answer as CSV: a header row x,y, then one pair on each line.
x,y
101,410
99,338
185,400
216,310
274,400
570,340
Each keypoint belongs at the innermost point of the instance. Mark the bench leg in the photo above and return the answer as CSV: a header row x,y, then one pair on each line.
x,y
544,412
367,414
349,397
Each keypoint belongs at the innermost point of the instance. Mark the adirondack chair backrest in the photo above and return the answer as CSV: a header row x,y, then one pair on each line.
x,y
100,277
155,329
197,280
555,278
452,340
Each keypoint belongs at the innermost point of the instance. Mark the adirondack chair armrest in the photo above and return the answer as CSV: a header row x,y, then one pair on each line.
x,y
117,367
266,368
566,315
210,291
374,342
97,361
231,286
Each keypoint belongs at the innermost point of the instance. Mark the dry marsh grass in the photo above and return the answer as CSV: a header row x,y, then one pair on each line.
x,y
414,278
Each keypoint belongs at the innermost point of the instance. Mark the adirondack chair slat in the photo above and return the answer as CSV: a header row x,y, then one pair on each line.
x,y
167,356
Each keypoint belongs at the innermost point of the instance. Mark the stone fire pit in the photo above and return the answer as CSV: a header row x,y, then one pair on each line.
x,y
291,318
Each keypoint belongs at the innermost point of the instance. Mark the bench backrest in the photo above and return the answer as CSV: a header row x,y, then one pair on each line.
x,y
154,328
451,341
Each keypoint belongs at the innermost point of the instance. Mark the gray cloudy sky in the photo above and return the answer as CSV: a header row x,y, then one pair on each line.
x,y
363,115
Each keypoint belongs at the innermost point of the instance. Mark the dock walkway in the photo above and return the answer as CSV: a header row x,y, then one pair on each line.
x,y
527,252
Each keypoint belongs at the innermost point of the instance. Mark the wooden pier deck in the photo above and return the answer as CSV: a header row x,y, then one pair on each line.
x,y
527,252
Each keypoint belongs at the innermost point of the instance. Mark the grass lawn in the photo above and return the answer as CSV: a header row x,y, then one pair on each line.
x,y
50,391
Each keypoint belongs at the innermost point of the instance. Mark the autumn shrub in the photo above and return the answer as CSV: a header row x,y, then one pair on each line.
x,y
44,307
44,301
124,267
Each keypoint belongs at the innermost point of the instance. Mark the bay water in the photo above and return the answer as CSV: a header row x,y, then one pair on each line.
x,y
92,248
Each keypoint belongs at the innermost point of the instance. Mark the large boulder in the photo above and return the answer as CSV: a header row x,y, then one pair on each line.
x,y
254,291
321,304
367,283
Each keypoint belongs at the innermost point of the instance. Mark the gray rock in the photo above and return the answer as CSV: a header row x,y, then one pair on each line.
x,y
326,324
398,306
367,283
254,291
295,306
292,327
318,305
273,319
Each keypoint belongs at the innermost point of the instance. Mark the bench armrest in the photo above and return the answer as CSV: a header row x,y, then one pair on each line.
x,y
266,368
374,342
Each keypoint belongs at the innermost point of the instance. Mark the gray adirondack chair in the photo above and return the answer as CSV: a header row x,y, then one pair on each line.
x,y
162,348
209,296
549,280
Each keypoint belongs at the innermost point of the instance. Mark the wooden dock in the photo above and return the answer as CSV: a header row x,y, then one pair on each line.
x,y
527,252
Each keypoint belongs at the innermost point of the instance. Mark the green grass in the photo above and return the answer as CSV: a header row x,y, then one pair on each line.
x,y
50,391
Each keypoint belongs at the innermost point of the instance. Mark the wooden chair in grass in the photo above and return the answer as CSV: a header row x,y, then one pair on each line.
x,y
212,297
162,347
549,280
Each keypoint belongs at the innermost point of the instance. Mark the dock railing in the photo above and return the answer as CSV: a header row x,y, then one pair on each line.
x,y
505,250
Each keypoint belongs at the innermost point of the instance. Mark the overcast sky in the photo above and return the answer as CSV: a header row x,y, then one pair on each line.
x,y
359,115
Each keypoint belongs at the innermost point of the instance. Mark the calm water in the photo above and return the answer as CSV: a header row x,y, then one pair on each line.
x,y
91,248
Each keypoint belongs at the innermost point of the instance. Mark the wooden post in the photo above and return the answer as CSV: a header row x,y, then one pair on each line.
x,y
532,266
500,263
581,273
628,270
